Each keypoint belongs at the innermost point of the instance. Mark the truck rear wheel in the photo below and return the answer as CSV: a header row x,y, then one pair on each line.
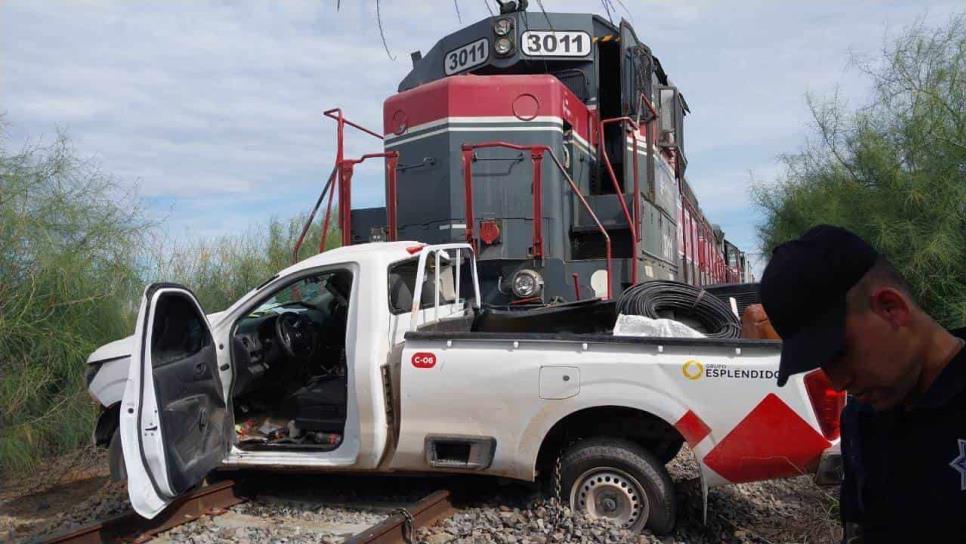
x,y
617,480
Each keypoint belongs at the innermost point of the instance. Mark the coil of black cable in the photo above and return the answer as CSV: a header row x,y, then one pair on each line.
x,y
670,299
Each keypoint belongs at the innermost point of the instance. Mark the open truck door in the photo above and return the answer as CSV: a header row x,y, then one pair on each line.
x,y
175,426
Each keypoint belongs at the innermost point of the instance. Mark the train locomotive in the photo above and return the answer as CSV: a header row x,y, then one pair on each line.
x,y
554,144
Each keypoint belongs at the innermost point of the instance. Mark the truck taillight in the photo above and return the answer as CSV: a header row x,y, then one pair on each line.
x,y
826,402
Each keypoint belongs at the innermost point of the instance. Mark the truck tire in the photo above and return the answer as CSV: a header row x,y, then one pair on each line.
x,y
616,479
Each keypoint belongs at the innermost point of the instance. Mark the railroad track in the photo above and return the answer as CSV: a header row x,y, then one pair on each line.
x,y
402,525
213,500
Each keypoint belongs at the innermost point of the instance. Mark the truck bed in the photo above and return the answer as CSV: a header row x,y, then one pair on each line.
x,y
512,378
584,321
601,337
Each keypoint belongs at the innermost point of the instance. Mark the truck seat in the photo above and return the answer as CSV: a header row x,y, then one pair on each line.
x,y
319,406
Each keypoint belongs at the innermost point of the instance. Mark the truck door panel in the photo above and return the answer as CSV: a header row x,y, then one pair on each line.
x,y
175,426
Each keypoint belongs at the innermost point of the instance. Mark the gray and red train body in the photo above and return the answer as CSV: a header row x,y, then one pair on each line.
x,y
561,117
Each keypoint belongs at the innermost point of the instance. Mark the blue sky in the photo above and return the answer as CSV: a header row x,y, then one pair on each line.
x,y
213,109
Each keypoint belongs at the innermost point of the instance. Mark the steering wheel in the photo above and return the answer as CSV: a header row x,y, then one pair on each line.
x,y
296,333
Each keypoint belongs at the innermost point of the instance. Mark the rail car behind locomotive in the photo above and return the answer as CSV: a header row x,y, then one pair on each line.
x,y
554,143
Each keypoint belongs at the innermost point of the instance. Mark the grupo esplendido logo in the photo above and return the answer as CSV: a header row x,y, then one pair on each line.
x,y
692,369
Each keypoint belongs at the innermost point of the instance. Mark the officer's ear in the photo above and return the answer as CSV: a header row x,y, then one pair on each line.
x,y
892,305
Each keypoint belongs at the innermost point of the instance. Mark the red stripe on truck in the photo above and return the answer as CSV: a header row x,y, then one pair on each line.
x,y
826,402
692,428
772,441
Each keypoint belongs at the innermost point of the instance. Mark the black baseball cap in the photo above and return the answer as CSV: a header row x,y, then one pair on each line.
x,y
803,290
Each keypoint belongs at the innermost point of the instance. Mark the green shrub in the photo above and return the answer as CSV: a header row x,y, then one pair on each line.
x,y
221,270
68,242
893,171
74,260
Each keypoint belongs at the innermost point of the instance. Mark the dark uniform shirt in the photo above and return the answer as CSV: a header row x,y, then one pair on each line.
x,y
905,468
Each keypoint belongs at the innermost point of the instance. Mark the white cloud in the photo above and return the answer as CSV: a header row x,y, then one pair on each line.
x,y
214,107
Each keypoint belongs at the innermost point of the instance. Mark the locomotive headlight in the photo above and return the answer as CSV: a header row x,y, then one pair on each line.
x,y
502,27
526,283
503,46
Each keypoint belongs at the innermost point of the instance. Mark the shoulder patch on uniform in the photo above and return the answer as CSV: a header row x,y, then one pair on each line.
x,y
959,463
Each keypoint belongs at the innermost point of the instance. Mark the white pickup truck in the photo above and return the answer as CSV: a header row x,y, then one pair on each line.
x,y
378,358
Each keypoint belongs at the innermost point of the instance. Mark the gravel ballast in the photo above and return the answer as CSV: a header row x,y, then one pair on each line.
x,y
793,510
326,509
276,521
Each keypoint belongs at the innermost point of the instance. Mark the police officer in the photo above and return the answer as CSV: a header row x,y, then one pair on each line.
x,y
839,305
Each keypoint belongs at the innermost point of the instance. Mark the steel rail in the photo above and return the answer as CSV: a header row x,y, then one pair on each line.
x,y
130,527
401,527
